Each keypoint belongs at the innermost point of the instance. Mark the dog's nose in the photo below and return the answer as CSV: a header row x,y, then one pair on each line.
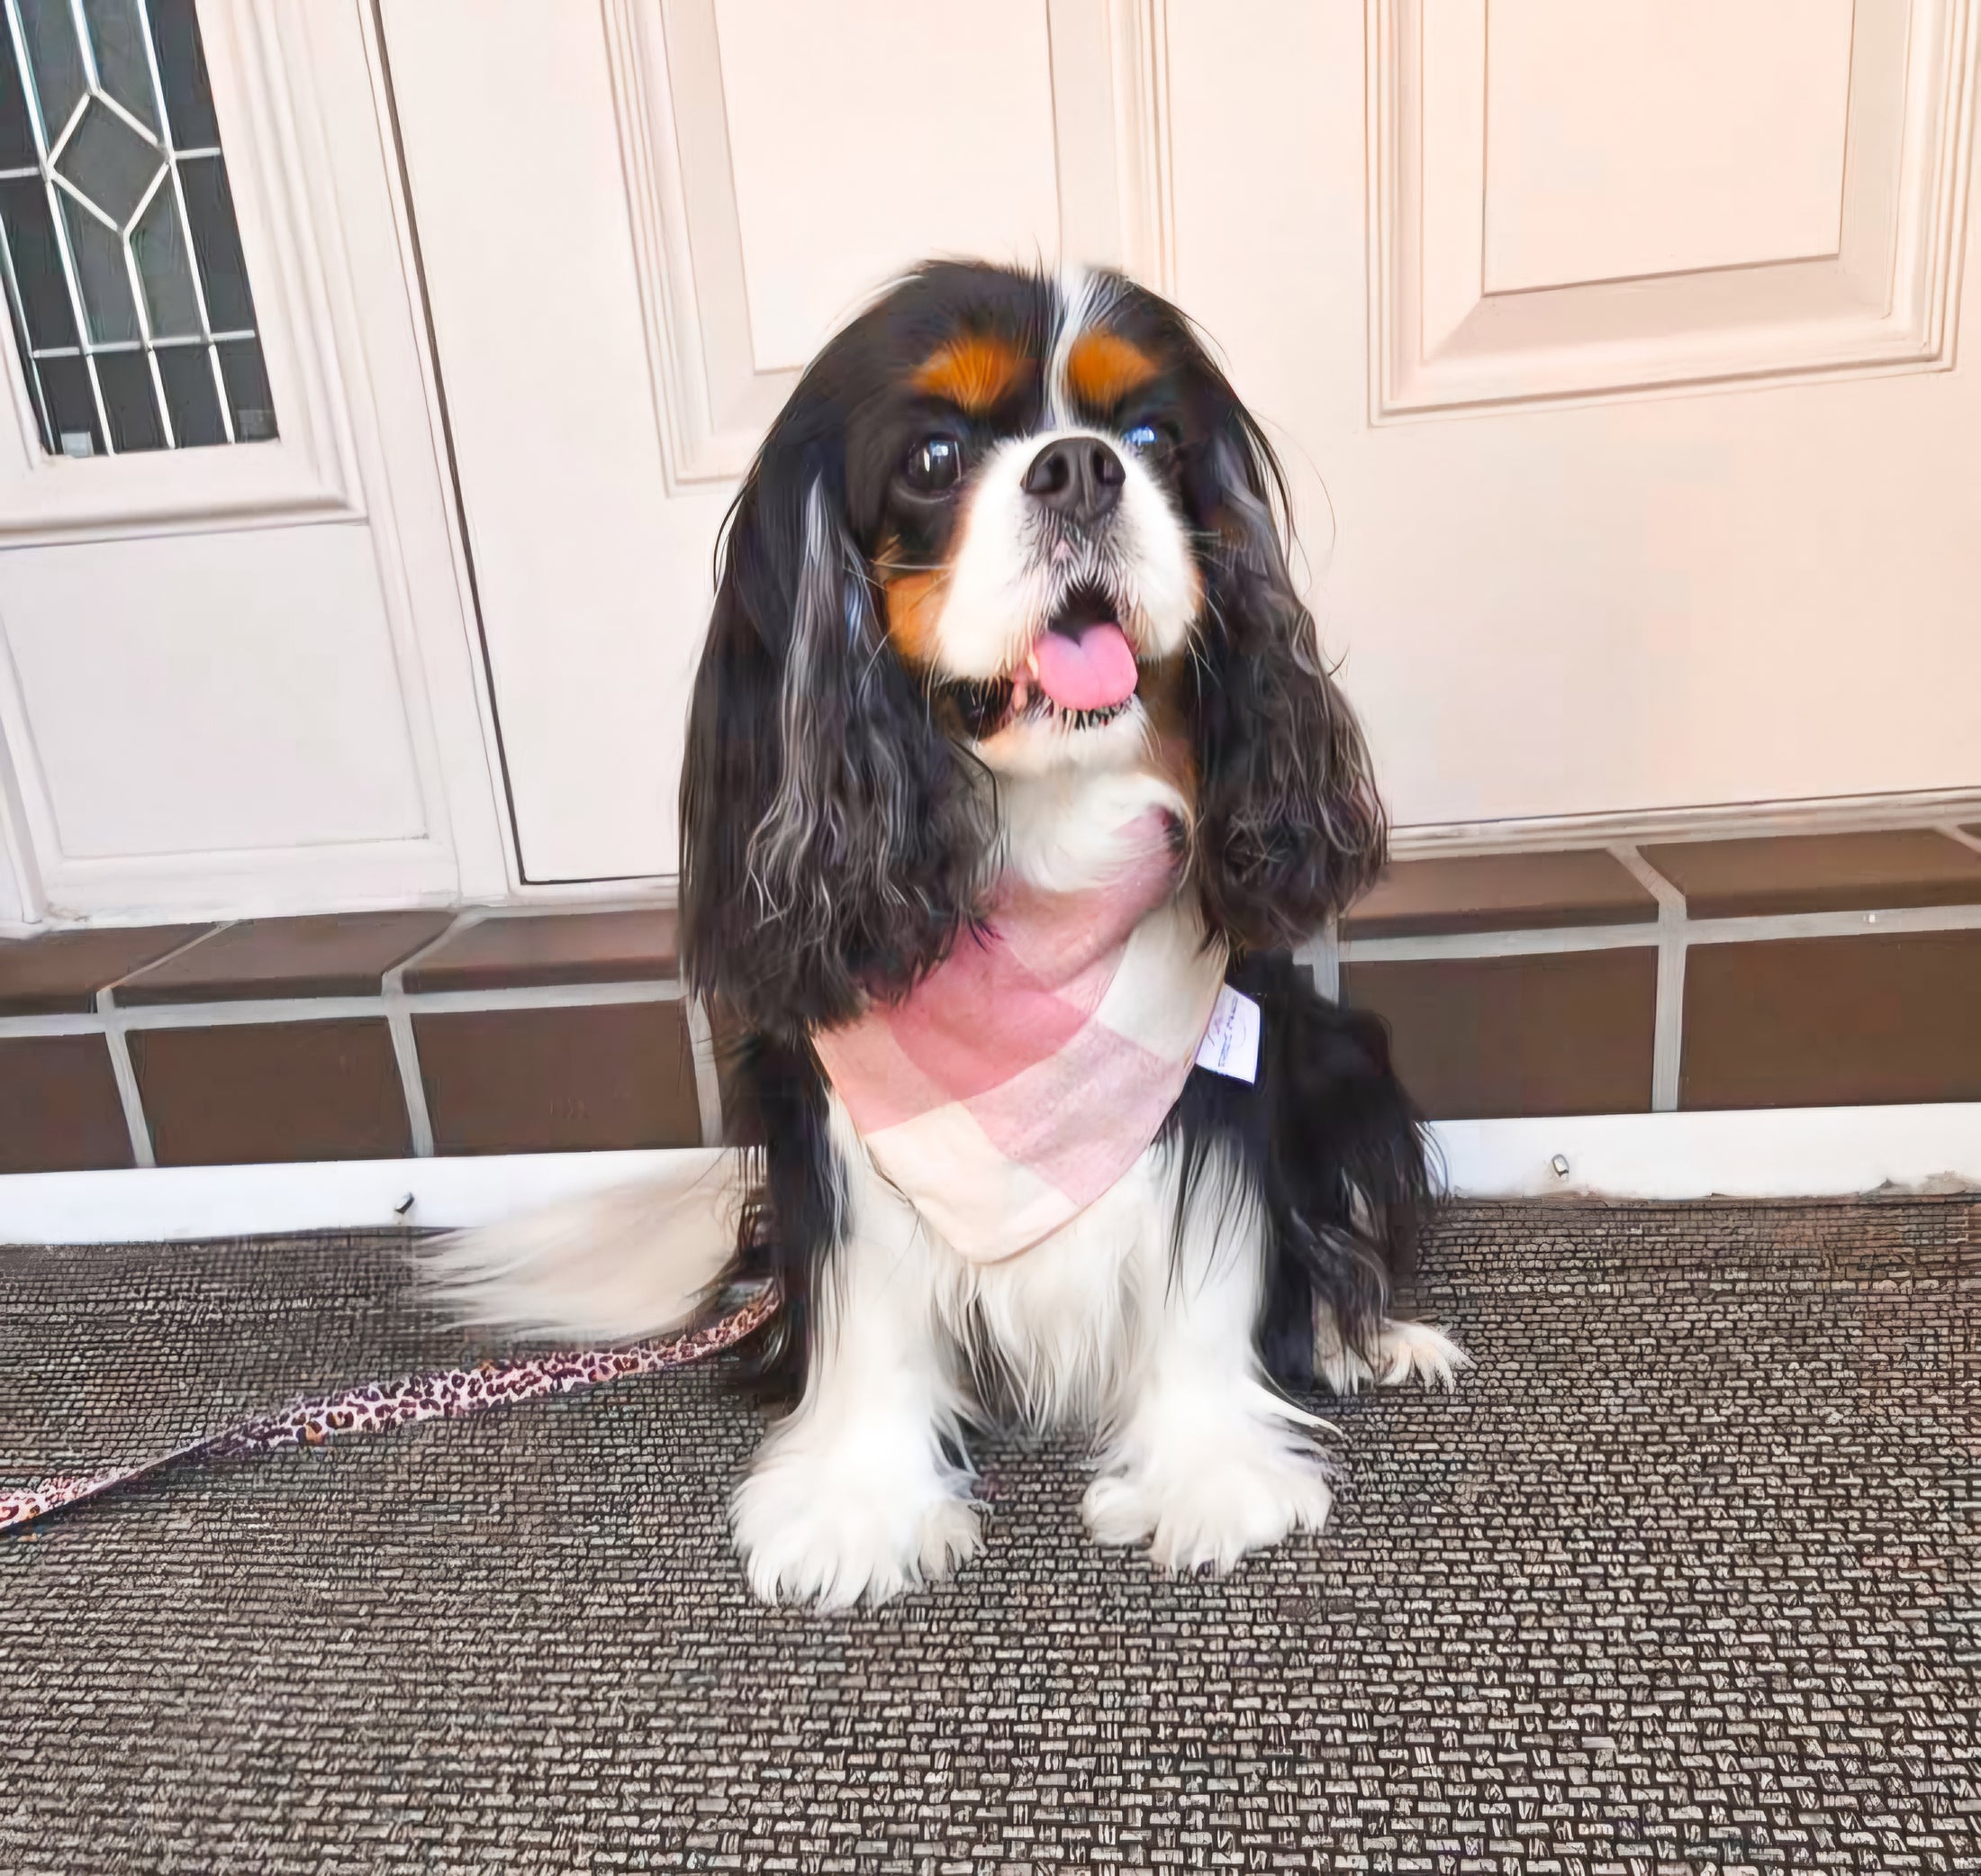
x,y
1079,476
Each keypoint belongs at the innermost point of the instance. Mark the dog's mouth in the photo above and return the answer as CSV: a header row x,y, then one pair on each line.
x,y
1079,673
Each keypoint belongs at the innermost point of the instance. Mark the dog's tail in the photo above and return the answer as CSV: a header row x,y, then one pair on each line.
x,y
614,1265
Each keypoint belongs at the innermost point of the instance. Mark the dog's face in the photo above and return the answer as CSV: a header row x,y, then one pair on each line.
x,y
1016,473
1008,523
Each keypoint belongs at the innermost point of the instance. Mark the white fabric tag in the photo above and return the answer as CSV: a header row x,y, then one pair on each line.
x,y
1231,1044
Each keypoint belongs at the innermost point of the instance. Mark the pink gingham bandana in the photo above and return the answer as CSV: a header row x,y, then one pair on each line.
x,y
1026,1073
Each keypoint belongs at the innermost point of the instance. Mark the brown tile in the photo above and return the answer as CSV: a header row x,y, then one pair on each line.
x,y
1474,1037
1833,1022
64,970
1820,872
58,1107
1500,893
343,954
556,1081
247,1094
570,947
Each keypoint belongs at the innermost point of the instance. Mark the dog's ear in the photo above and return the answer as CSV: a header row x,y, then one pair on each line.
x,y
828,830
1289,828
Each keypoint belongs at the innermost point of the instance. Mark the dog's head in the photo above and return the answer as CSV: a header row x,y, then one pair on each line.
x,y
1008,523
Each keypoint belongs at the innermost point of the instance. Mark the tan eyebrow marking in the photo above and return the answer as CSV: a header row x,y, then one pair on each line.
x,y
1103,367
974,372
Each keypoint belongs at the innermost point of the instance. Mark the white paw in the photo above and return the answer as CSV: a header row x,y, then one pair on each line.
x,y
1403,1350
1204,1507
810,1533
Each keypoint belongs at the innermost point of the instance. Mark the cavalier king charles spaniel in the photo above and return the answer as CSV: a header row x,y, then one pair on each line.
x,y
1015,776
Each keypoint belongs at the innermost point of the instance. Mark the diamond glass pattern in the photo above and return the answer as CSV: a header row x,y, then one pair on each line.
x,y
125,281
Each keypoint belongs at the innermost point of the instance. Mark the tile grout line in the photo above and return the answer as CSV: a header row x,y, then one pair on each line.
x,y
1971,841
1755,928
123,1071
707,1081
405,1047
1322,955
125,1075
1668,1023
233,1013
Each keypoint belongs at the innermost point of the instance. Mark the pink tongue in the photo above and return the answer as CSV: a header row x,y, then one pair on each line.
x,y
1090,672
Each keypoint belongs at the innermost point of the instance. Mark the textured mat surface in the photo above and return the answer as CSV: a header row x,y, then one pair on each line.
x,y
1684,1578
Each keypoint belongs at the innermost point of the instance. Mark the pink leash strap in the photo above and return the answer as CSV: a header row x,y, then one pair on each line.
x,y
451,1394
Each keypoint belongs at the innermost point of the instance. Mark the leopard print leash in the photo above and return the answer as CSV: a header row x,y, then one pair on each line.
x,y
452,1394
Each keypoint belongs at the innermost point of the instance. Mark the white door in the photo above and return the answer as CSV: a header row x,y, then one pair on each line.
x,y
236,669
1612,350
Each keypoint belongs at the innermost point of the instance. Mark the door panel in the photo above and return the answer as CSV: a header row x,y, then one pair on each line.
x,y
1654,601
248,678
1660,136
700,192
873,104
235,669
1612,351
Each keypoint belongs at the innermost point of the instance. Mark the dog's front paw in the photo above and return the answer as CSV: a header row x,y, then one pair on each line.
x,y
1404,1351
814,1532
1204,1507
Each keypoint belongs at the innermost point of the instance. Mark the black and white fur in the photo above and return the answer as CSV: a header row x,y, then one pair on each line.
x,y
845,805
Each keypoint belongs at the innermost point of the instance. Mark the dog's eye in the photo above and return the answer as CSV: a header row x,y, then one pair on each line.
x,y
934,465
1148,440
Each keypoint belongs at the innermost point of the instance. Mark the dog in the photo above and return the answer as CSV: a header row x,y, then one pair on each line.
x,y
1015,777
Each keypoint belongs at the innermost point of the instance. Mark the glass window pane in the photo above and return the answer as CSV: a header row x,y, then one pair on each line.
x,y
190,395
116,36
106,221
110,162
57,61
106,282
71,409
210,208
247,390
16,134
37,266
182,69
131,400
164,268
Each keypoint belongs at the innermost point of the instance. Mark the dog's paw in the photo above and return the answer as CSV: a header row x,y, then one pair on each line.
x,y
1203,1508
1404,1351
809,1534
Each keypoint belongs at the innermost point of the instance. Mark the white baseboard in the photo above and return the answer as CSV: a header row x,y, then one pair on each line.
x,y
1756,1152
1768,1152
166,1203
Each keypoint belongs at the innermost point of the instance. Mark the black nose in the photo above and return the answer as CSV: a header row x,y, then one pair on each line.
x,y
1079,476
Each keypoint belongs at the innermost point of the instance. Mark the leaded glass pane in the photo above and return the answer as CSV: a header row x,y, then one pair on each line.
x,y
191,394
41,295
130,401
164,270
123,68
121,255
55,58
247,389
182,69
99,255
210,207
16,134
107,162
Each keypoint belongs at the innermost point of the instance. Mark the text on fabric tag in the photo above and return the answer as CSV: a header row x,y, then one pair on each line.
x,y
1231,1044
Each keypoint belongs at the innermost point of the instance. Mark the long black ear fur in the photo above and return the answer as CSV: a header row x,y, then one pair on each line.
x,y
1290,827
829,832
1331,1143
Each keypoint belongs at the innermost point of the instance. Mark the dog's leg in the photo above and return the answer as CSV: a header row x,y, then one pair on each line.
x,y
1203,1459
852,1497
1404,1351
